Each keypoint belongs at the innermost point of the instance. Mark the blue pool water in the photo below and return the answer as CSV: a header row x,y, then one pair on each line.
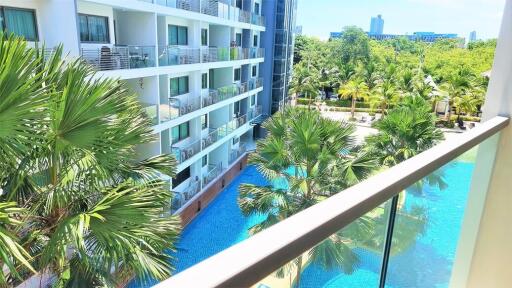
x,y
426,263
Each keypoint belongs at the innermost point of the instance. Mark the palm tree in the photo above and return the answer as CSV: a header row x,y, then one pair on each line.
x,y
316,158
406,131
354,90
305,81
407,81
369,74
95,214
456,85
385,94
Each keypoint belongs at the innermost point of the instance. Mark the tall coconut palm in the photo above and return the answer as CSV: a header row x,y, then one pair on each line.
x,y
95,213
316,158
354,89
369,74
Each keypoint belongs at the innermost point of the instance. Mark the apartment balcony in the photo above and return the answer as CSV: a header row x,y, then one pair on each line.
x,y
151,111
255,83
176,55
218,8
236,153
181,198
213,96
212,137
253,262
214,170
179,106
186,151
119,57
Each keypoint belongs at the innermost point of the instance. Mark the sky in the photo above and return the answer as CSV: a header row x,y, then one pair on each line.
x,y
319,17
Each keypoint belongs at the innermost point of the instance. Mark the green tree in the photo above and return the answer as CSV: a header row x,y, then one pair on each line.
x,y
385,94
305,151
305,81
456,85
354,89
406,131
355,47
95,214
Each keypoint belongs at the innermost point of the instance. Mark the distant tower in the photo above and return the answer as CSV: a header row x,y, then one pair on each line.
x,y
472,36
377,25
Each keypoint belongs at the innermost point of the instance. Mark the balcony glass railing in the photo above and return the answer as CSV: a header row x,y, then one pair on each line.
x,y
219,8
181,198
119,57
151,111
214,170
399,228
208,140
255,83
237,153
175,55
185,152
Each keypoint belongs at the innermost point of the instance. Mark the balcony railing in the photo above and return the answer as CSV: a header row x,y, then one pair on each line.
x,y
186,152
208,140
119,57
237,153
255,83
151,111
254,113
248,262
181,198
175,55
188,5
214,170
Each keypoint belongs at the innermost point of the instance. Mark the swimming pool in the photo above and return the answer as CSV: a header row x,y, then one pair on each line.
x,y
426,263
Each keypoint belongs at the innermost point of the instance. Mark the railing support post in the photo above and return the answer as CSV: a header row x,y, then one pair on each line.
x,y
389,239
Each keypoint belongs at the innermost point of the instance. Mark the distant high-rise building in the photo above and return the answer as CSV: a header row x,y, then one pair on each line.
x,y
472,36
377,25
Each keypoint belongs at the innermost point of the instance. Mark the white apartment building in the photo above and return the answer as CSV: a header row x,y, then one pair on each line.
x,y
195,65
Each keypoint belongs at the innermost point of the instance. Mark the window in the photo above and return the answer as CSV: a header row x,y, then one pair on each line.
x,y
179,132
178,35
204,160
204,121
204,37
239,39
93,29
253,100
255,41
181,177
257,8
236,108
236,140
179,86
204,81
254,71
238,76
21,22
238,4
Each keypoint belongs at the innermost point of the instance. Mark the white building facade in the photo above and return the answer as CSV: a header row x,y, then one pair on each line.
x,y
194,64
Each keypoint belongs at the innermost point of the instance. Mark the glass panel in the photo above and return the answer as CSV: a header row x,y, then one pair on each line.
x,y
238,39
184,130
174,86
175,134
173,35
21,22
204,160
255,41
98,31
204,81
352,257
84,32
204,121
204,37
182,35
253,100
428,225
183,85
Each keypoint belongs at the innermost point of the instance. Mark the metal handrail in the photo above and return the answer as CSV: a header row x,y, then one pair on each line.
x,y
184,153
214,170
249,261
119,57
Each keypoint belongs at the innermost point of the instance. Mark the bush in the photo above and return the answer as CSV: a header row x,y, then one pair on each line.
x,y
336,103
466,118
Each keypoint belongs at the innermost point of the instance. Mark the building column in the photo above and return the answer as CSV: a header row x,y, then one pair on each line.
x,y
485,247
